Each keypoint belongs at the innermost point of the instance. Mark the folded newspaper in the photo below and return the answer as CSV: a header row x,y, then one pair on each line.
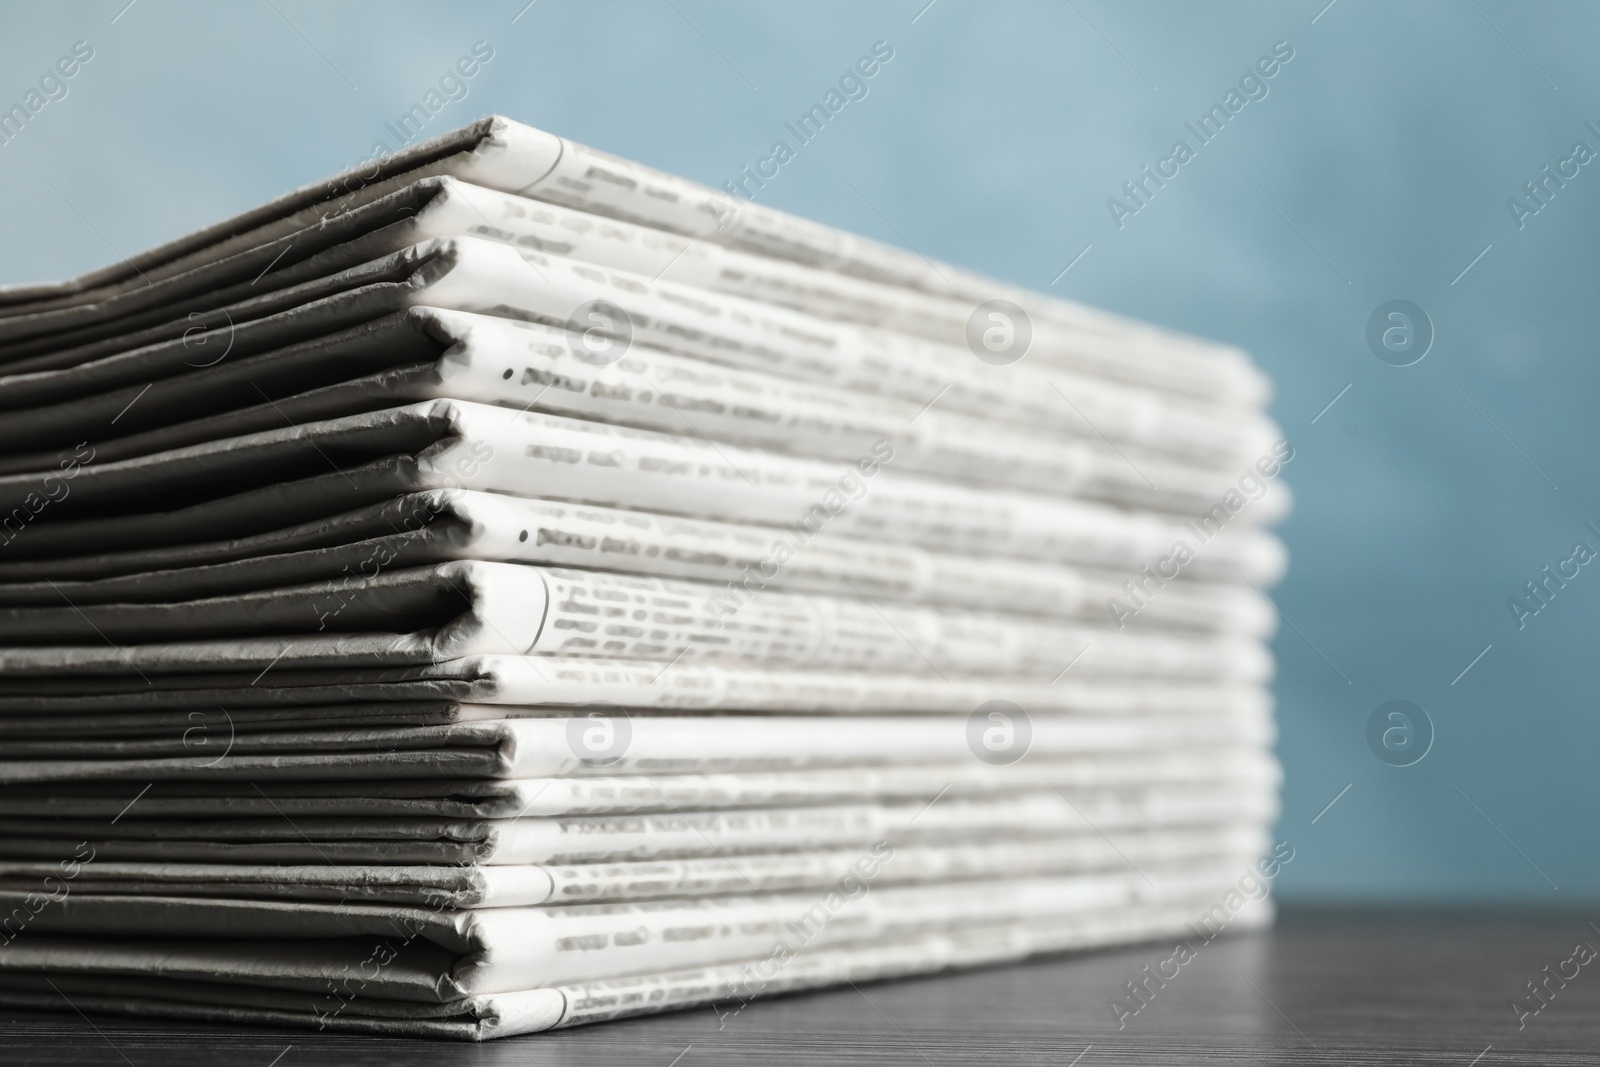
x,y
506,587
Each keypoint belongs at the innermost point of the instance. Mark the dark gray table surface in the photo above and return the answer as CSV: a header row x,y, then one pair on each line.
x,y
1326,987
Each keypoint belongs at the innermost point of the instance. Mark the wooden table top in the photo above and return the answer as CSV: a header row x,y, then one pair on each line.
x,y
1325,987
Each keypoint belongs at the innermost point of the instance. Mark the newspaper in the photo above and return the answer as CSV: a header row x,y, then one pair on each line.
x,y
494,950
457,444
458,524
476,275
472,608
495,687
479,525
507,588
501,154
643,792
469,355
441,207
544,747
183,305
35,686
519,842
606,185
101,988
460,887
462,209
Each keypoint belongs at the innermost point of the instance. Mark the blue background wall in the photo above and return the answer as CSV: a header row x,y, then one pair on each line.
x,y
1378,167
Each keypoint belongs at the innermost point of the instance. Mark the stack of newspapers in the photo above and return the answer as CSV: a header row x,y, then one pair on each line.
x,y
506,587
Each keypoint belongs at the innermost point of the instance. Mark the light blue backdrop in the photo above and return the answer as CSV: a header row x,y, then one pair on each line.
x,y
1377,167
